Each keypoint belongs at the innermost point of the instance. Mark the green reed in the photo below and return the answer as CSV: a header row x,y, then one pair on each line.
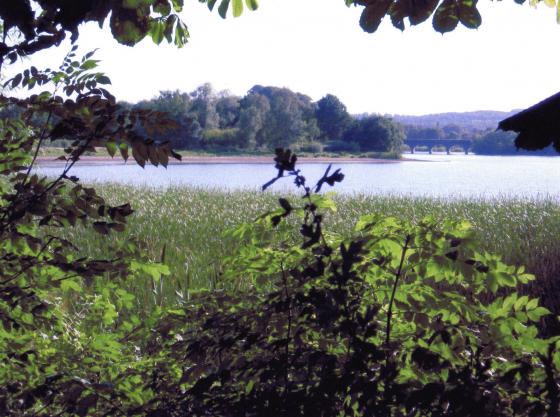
x,y
190,224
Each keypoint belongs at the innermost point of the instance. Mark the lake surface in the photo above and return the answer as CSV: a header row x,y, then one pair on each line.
x,y
453,176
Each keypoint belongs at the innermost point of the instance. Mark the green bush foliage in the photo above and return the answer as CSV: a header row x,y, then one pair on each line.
x,y
393,321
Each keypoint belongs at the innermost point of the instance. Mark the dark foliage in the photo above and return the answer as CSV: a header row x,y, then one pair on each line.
x,y
375,133
389,323
45,23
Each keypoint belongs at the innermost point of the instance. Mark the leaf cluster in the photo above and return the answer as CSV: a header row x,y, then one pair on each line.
x,y
41,24
63,318
393,321
446,14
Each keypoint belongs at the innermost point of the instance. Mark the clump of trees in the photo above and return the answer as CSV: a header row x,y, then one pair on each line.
x,y
450,131
267,118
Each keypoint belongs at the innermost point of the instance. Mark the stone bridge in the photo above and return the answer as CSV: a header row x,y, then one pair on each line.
x,y
465,144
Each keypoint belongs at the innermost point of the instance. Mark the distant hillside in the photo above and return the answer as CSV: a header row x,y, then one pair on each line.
x,y
479,120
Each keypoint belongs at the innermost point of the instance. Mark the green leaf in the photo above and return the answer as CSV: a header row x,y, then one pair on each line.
x,y
237,7
89,64
157,29
520,303
127,32
111,148
69,284
223,8
103,79
123,148
181,34
509,302
492,282
162,7
177,5
532,304
252,4
537,313
249,387
211,4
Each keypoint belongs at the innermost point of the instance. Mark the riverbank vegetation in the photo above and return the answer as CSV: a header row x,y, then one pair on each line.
x,y
217,122
521,231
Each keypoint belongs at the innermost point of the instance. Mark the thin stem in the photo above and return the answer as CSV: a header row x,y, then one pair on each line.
x,y
289,331
395,284
41,139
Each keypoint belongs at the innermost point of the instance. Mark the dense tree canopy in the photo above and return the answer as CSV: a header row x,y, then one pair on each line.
x,y
264,119
332,117
375,133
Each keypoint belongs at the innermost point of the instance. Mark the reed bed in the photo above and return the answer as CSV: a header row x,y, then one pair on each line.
x,y
190,224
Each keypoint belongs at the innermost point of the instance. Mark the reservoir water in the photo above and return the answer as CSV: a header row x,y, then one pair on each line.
x,y
450,176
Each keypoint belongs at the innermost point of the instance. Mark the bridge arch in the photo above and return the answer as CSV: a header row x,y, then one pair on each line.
x,y
464,144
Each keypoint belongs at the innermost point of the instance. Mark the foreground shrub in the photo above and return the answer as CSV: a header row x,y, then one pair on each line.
x,y
391,322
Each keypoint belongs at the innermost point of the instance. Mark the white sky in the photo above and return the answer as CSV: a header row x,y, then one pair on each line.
x,y
317,47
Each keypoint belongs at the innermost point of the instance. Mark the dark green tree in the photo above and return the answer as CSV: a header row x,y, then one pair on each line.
x,y
254,109
375,133
204,106
289,122
227,107
420,132
178,106
332,118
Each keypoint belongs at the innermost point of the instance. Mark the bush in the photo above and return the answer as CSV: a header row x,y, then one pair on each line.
x,y
221,139
391,322
342,146
310,147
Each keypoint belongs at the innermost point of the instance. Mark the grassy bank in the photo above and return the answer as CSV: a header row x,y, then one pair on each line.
x,y
190,224
54,152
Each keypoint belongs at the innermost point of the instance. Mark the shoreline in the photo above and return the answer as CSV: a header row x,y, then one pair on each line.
x,y
107,160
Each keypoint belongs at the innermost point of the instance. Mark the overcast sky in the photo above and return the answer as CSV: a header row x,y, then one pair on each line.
x,y
317,47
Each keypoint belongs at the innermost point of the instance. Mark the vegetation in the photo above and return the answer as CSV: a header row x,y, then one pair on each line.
x,y
522,232
445,15
397,318
266,118
503,143
473,121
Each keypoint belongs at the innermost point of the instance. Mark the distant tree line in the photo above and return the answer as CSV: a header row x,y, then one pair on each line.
x,y
487,141
498,142
473,120
436,131
267,118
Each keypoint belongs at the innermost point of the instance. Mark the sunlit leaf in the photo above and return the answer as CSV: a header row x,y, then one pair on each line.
x,y
252,4
237,7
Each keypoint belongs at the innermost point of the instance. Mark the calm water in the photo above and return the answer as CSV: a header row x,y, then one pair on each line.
x,y
434,175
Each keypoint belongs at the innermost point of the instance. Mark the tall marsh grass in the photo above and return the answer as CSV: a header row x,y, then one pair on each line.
x,y
190,224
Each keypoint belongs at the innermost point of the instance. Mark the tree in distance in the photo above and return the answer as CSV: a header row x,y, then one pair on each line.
x,y
376,134
332,117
